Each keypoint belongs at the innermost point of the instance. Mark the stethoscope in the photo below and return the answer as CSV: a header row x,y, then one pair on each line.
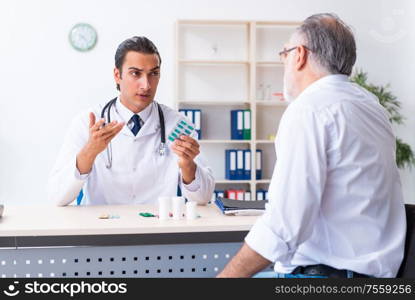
x,y
162,147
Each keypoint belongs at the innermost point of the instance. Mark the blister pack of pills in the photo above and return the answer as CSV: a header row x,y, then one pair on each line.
x,y
181,128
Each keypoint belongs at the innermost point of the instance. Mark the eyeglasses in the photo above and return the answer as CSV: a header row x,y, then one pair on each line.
x,y
283,54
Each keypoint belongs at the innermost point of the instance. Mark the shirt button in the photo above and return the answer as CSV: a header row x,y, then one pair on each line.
x,y
134,169
133,196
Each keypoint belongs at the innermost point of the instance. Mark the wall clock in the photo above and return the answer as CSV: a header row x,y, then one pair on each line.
x,y
83,37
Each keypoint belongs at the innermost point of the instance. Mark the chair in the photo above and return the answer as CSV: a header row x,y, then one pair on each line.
x,y
407,269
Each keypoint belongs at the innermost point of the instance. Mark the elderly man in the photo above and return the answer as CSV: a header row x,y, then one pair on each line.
x,y
335,207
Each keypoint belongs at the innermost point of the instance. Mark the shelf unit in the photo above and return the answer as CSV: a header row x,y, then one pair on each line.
x,y
225,142
219,67
213,62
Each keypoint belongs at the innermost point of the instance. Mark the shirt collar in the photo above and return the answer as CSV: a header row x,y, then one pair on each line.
x,y
126,114
335,78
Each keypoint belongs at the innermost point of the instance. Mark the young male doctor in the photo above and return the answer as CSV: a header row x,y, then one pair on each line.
x,y
116,153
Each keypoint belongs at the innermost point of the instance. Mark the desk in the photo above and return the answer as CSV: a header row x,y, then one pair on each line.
x,y
49,241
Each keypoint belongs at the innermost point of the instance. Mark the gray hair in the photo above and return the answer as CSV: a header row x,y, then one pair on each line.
x,y
330,41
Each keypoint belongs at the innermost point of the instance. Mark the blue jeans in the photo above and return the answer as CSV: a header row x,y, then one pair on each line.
x,y
271,274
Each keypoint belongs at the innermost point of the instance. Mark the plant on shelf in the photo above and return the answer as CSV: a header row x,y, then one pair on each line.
x,y
404,155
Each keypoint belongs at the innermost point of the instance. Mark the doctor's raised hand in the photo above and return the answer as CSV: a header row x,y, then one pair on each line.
x,y
186,149
100,135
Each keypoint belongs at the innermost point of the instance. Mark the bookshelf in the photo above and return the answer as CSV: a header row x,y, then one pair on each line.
x,y
220,66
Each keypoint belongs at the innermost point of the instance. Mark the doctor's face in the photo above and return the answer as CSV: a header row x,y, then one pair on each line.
x,y
138,80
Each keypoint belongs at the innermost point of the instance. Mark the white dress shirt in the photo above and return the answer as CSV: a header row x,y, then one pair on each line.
x,y
335,195
139,174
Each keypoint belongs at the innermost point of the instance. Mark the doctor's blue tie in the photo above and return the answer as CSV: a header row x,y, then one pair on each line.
x,y
137,125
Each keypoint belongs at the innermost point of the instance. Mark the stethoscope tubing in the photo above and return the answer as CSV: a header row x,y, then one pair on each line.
x,y
107,108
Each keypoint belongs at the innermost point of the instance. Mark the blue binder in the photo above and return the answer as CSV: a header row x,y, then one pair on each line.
x,y
240,168
260,195
183,112
197,121
219,194
237,124
230,164
247,164
258,164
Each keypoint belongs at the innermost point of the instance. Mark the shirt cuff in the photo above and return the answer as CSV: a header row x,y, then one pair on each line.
x,y
265,242
80,176
195,184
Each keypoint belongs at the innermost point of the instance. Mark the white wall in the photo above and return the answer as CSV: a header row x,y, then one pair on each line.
x,y
45,82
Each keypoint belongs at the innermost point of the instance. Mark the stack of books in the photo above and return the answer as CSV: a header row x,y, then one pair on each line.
x,y
236,207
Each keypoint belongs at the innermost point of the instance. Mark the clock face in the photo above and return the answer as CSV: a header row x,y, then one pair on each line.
x,y
83,37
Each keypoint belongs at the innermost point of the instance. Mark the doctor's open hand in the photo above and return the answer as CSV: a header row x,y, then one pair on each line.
x,y
99,138
186,149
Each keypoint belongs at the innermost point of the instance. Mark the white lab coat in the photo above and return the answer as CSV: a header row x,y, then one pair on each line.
x,y
138,174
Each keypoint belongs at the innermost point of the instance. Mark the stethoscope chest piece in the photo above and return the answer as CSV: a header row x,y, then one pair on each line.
x,y
162,149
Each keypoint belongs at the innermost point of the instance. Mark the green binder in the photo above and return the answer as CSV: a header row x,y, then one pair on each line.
x,y
247,124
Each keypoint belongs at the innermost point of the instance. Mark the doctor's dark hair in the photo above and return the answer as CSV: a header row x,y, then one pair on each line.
x,y
138,44
331,42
